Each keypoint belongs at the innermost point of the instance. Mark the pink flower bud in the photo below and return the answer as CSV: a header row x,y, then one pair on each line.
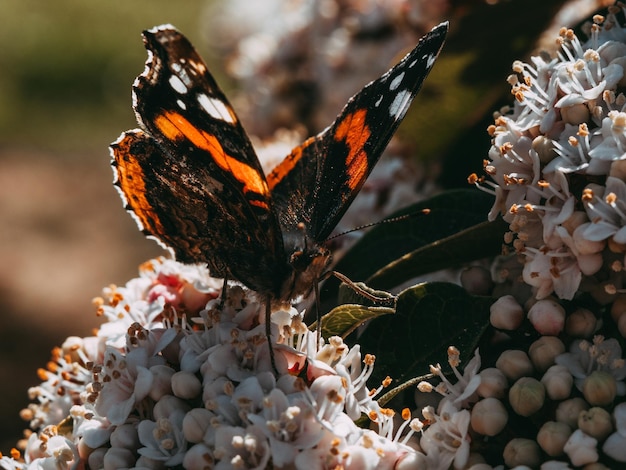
x,y
489,417
514,364
552,437
506,313
547,317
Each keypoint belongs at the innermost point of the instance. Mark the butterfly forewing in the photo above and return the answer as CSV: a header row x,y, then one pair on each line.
x,y
316,183
201,174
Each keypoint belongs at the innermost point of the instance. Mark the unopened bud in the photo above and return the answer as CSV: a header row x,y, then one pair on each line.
x,y
552,437
527,396
543,351
522,452
489,417
596,422
514,364
599,388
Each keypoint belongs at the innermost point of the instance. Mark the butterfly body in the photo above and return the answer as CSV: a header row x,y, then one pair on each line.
x,y
192,180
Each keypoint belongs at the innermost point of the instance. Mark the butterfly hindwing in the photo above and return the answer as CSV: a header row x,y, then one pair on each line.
x,y
316,183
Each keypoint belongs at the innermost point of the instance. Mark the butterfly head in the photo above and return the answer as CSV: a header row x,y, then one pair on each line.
x,y
308,261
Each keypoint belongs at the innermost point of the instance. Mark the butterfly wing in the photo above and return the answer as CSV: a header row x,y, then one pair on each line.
x,y
316,183
191,177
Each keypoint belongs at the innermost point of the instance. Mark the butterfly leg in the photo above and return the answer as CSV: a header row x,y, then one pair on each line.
x,y
224,290
268,331
318,314
382,300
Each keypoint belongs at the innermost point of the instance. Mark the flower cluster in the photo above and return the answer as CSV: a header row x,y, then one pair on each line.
x,y
182,374
556,170
557,164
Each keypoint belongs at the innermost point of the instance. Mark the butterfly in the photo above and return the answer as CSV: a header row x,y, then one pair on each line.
x,y
190,176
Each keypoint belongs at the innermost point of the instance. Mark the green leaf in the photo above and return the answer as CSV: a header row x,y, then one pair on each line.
x,y
480,241
343,320
429,318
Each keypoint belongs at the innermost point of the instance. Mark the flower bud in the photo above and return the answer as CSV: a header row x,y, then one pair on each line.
x,y
558,382
575,113
195,424
583,244
595,422
621,326
125,436
167,405
162,383
599,388
520,452
590,264
493,383
489,417
543,351
506,313
118,457
552,437
581,448
618,307
567,412
527,396
198,456
544,147
186,385
96,458
476,280
514,364
581,323
547,317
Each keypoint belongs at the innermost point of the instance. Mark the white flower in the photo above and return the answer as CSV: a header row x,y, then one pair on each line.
x,y
163,440
448,436
601,355
289,425
552,270
50,451
606,208
236,447
581,448
615,445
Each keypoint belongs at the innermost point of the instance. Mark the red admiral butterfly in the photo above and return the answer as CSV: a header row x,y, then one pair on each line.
x,y
192,180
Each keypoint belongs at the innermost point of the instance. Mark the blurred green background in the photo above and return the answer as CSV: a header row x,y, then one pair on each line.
x,y
66,69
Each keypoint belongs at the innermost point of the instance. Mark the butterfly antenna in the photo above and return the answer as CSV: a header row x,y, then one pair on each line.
x,y
388,220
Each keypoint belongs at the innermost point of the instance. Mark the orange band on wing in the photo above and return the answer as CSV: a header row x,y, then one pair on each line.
x,y
175,127
130,178
353,130
287,164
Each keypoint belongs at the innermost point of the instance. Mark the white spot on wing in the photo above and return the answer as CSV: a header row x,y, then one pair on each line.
x,y
395,83
216,108
181,104
400,104
430,60
177,84
378,101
